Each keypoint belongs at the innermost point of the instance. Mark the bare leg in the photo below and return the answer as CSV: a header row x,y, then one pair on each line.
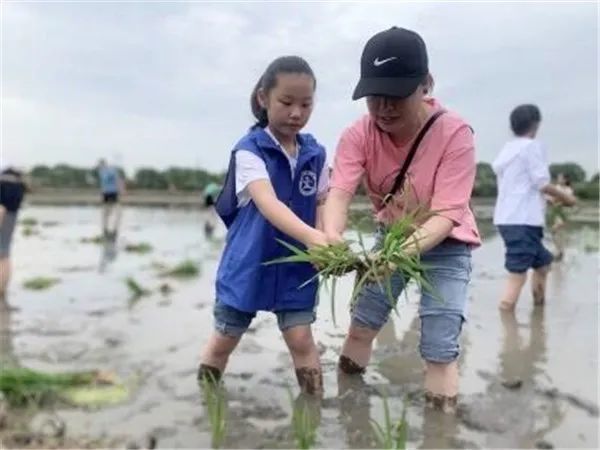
x,y
4,274
538,285
106,208
305,355
356,350
512,290
215,355
118,212
441,385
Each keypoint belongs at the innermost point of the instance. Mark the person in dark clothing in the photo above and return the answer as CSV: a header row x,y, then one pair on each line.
x,y
12,191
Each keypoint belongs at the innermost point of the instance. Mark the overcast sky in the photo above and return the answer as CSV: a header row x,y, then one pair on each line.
x,y
167,84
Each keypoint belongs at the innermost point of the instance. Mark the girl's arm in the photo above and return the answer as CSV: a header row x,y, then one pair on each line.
x,y
281,217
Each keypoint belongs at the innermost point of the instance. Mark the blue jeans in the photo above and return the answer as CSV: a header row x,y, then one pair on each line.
x,y
442,311
234,323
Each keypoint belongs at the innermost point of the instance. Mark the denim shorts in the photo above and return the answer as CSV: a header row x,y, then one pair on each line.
x,y
524,248
233,322
442,310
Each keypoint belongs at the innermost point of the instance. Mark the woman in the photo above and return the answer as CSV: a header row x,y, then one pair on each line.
x,y
395,80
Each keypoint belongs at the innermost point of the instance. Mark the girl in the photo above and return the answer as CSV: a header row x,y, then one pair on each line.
x,y
403,120
276,181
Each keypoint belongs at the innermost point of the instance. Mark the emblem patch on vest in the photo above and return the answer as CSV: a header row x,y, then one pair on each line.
x,y
308,183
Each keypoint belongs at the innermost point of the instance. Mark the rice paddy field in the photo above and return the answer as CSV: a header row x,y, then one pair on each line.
x,y
134,314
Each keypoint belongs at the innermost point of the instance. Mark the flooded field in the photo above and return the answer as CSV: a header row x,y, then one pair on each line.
x,y
529,380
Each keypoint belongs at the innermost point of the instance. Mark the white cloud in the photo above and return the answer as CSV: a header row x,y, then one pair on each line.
x,y
168,84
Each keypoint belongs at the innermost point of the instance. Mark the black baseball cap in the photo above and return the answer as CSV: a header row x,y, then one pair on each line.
x,y
393,63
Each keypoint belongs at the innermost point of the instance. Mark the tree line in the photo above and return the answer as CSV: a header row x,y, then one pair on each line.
x,y
186,179
587,189
173,178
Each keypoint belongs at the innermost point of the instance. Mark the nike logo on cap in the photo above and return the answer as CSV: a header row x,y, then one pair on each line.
x,y
379,62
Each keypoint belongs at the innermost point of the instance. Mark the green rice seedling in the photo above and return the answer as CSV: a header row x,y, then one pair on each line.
x,y
40,283
185,269
371,267
29,222
29,231
98,239
22,386
216,409
304,425
135,287
332,261
141,248
50,223
391,435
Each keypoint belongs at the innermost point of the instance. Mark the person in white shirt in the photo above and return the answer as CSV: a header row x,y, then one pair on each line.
x,y
523,178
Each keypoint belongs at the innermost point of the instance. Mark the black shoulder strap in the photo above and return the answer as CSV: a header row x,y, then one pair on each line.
x,y
411,154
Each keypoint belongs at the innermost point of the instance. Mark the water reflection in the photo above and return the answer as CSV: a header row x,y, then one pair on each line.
x,y
354,415
517,360
109,253
522,369
7,352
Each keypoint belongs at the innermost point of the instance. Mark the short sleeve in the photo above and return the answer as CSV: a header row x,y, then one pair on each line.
x,y
537,166
349,162
248,168
455,176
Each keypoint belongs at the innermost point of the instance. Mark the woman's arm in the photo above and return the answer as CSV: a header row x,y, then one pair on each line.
x,y
281,217
348,171
428,235
335,214
454,179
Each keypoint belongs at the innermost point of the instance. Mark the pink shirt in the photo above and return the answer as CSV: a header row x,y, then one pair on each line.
x,y
441,175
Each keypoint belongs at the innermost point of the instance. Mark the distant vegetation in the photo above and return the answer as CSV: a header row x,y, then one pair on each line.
x,y
184,179
174,178
485,180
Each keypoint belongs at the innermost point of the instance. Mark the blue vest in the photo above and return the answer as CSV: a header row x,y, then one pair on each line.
x,y
243,281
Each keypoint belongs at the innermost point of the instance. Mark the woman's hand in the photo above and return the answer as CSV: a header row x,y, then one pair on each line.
x,y
316,238
334,237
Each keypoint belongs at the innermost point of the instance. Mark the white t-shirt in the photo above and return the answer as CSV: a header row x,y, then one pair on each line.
x,y
249,168
522,171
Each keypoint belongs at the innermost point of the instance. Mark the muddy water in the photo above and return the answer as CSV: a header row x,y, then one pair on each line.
x,y
526,380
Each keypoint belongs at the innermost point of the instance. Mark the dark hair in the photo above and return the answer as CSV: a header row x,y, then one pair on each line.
x,y
523,118
283,64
